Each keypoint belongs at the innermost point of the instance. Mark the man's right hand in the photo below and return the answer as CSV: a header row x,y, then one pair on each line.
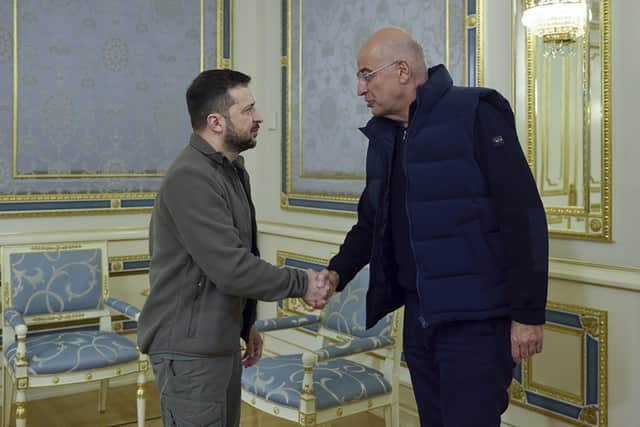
x,y
334,279
319,288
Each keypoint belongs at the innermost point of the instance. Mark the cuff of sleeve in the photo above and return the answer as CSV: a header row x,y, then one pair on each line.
x,y
248,318
528,317
334,265
301,283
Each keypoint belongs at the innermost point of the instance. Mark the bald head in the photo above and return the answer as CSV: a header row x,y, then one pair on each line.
x,y
391,66
391,44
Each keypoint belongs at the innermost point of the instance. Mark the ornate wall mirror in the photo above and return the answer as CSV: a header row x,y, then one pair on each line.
x,y
562,90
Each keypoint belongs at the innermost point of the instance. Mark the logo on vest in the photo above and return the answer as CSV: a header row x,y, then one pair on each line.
x,y
497,141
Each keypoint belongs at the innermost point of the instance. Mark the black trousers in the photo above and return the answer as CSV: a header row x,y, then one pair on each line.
x,y
460,371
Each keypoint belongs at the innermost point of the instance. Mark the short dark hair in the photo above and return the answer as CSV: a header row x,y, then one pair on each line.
x,y
209,93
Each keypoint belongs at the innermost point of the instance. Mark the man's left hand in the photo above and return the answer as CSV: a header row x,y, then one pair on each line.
x,y
526,340
253,353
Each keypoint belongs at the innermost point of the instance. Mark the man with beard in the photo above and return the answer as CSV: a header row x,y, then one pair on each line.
x,y
206,274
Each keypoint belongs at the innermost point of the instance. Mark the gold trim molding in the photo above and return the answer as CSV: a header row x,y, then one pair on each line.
x,y
591,325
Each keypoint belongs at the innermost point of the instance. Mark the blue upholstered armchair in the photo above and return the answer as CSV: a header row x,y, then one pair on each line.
x,y
315,387
45,287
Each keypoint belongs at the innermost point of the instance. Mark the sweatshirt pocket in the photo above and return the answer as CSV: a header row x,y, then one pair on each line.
x,y
195,309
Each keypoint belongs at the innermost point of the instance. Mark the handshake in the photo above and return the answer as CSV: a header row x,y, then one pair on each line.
x,y
321,286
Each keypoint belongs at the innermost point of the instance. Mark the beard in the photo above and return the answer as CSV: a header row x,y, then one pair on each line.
x,y
236,141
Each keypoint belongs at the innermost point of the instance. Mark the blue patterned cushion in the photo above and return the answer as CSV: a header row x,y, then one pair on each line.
x,y
286,322
346,311
336,382
121,306
355,346
62,352
56,280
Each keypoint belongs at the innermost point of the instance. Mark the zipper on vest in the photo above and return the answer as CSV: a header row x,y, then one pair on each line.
x,y
423,322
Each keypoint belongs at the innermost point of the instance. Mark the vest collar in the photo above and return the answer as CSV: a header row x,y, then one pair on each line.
x,y
427,96
429,93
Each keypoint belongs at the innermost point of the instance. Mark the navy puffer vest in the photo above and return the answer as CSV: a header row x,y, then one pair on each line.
x,y
453,226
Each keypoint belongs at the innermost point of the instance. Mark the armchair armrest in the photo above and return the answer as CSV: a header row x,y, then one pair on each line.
x,y
286,322
16,321
355,346
127,309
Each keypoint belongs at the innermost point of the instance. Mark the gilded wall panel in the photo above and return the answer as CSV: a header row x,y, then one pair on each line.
x,y
563,107
568,381
323,152
92,109
296,306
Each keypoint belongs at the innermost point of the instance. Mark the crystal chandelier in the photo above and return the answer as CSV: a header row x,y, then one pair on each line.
x,y
558,22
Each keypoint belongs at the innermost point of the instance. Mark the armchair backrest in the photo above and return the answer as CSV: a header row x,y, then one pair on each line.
x,y
346,312
55,278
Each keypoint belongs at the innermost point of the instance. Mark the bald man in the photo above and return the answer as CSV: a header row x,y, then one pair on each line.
x,y
453,228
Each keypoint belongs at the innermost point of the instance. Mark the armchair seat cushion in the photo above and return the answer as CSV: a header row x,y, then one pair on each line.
x,y
62,352
335,382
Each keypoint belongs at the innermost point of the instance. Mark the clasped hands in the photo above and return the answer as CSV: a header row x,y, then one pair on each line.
x,y
321,286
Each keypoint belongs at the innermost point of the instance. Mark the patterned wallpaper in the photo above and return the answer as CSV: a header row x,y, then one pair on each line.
x,y
323,149
332,111
97,104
